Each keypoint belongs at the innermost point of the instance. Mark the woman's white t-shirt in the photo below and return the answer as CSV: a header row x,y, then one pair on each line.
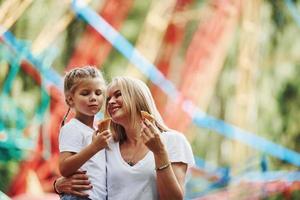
x,y
125,182
73,137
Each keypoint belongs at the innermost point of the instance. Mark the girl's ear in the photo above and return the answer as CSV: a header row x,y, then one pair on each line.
x,y
69,100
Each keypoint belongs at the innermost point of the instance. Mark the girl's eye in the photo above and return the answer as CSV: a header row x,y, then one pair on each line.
x,y
99,92
84,93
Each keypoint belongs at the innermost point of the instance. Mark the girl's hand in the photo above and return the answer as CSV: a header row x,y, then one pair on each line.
x,y
75,184
100,140
151,137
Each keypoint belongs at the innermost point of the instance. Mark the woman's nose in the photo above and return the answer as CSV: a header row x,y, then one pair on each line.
x,y
111,100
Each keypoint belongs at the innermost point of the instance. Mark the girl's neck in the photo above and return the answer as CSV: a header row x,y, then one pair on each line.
x,y
87,120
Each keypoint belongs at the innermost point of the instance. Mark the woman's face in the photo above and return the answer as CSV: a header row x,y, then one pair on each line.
x,y
115,106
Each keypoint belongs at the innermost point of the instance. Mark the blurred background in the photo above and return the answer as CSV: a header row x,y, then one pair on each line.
x,y
223,72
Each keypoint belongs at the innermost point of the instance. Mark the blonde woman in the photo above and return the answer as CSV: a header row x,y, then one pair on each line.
x,y
146,159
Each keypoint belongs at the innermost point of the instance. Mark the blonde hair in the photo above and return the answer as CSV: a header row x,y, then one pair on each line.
x,y
136,97
75,77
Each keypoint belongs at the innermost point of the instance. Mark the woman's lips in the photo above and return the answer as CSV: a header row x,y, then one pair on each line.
x,y
113,110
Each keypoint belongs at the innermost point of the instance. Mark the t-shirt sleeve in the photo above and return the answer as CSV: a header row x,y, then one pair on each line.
x,y
179,149
70,139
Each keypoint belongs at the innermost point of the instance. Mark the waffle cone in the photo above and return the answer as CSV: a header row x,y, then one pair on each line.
x,y
104,124
146,115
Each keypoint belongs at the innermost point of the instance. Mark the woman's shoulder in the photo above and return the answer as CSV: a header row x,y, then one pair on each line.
x,y
173,137
178,147
173,134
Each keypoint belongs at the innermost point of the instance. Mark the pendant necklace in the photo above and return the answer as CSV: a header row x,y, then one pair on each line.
x,y
130,161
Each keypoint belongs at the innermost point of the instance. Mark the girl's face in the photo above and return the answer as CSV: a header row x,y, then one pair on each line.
x,y
88,98
115,106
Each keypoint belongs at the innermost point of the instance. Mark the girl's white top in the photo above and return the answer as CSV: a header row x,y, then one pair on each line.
x,y
73,137
139,181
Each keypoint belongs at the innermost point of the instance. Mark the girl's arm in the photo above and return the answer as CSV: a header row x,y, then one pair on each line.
x,y
70,162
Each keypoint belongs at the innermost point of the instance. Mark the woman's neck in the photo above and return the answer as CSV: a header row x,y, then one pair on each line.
x,y
87,120
133,134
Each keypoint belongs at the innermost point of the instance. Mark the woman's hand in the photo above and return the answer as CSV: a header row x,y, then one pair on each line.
x,y
75,184
169,177
151,137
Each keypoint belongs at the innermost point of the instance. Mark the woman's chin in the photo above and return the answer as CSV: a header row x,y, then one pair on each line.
x,y
117,118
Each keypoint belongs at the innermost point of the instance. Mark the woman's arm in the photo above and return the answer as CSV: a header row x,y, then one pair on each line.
x,y
170,177
75,184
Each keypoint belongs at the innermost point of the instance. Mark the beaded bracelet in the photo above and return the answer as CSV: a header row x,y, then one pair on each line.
x,y
162,167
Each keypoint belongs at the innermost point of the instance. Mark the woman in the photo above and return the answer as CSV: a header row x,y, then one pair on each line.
x,y
146,159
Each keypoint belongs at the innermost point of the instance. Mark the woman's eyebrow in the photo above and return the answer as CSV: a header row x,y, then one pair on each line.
x,y
116,91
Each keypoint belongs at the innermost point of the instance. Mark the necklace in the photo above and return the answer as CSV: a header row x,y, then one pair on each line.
x,y
130,163
131,160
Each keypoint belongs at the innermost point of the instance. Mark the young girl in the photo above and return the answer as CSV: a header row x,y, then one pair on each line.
x,y
80,144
